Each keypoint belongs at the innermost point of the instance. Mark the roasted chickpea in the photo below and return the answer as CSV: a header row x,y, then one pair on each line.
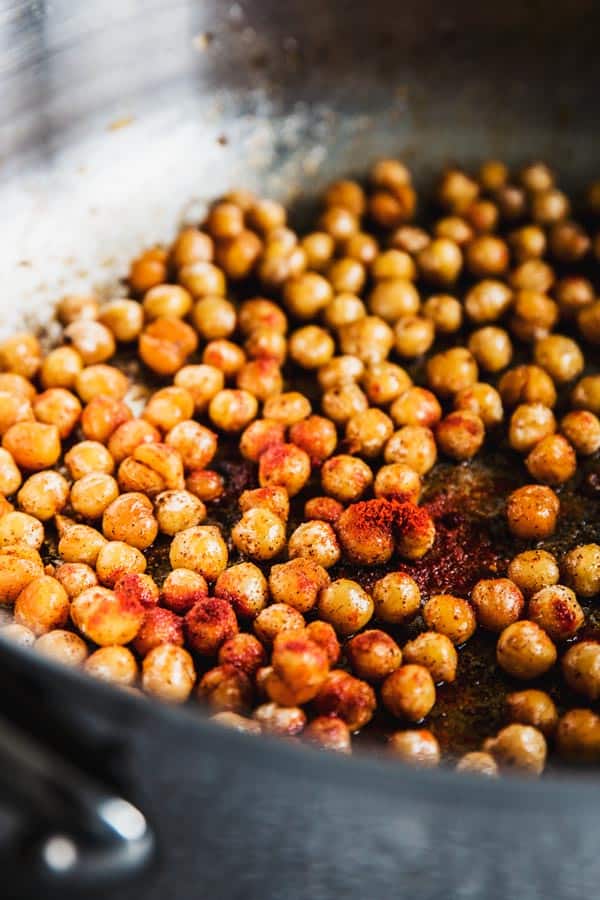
x,y
451,371
328,733
552,460
214,318
316,541
525,651
124,318
578,736
319,247
532,275
130,518
60,368
491,348
520,747
33,445
346,275
581,668
486,256
533,570
191,245
492,175
205,484
16,408
79,543
259,534
373,655
445,312
369,338
527,384
43,495
169,406
414,446
417,748
530,423
299,668
20,528
385,382
483,215
225,688
195,444
93,493
165,344
414,335
316,436
148,269
76,578
581,567
346,697
451,616
343,401
345,605
182,588
306,294
286,465
498,603
208,624
478,762
559,356
455,228
532,708
398,481
20,354
549,206
586,394
168,673
326,509
367,433
527,242
126,438
393,299
244,652
409,692
532,511
19,565
487,301
286,721
588,320
511,201
117,665
345,478
275,499
311,347
343,309
42,605
244,587
390,208
276,618
582,429
177,510
460,434
104,618
116,558
483,400
298,582
440,262
10,477
62,646
102,416
232,410
435,652
339,371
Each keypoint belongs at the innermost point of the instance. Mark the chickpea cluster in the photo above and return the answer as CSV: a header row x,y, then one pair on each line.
x,y
336,369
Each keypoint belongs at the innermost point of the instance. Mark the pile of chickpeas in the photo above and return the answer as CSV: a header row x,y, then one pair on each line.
x,y
340,365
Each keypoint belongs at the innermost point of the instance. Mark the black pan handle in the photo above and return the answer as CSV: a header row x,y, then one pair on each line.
x,y
79,834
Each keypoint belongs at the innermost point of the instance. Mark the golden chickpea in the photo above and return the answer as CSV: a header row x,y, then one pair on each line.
x,y
266,343
492,175
60,368
93,493
245,587
527,242
398,481
409,238
498,602
10,477
348,698
581,668
102,416
169,406
21,354
160,626
319,247
483,215
195,444
33,445
520,747
285,465
384,382
43,495
19,565
451,616
261,313
527,384
435,652
243,651
440,262
124,318
525,651
165,344
168,673
530,423
104,618
479,763
328,733
177,510
77,306
532,512
287,409
151,469
393,264
511,202
487,255
345,478
15,408
445,312
284,721
126,438
202,279
191,245
581,568
414,335
130,518
274,498
536,176
409,692
148,269
535,315
390,208
533,570
368,432
578,736
79,543
224,220
208,624
311,347
560,357
116,558
276,618
365,534
549,206
552,460
205,484
394,298
451,371
491,348
306,294
483,400
417,748
316,541
202,382
370,339
487,301
343,401
62,646
344,309
345,605
347,276
582,429
42,605
347,194
326,509
532,275
201,549
414,446
214,317
115,665
533,708
588,320
298,582
373,655
340,371
259,534
460,434
20,528
182,588
456,191
454,228
92,340
586,394
300,666
568,242
76,578
232,410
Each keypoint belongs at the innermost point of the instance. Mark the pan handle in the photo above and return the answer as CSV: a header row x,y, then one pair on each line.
x,y
79,835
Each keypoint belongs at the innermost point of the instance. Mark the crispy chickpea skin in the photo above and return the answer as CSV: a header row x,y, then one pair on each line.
x,y
116,665
533,570
532,707
451,616
460,434
520,747
373,655
276,618
578,736
414,446
345,605
42,606
62,646
417,747
552,460
525,651
168,673
396,598
286,721
316,541
556,610
201,549
259,534
346,697
130,518
409,692
345,478
435,652
532,511
581,668
498,603
102,617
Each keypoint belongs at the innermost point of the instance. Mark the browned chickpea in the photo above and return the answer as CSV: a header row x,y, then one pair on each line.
x,y
286,721
177,510
451,616
345,605
148,269
19,565
398,481
306,294
340,371
413,445
417,532
552,460
266,343
460,434
345,478
208,624
549,206
560,357
190,246
125,318
456,191
311,347
224,220
214,318
165,344
225,356
511,202
414,336
205,484
586,394
258,436
116,665
202,382
225,688
588,320
43,495
33,445
77,306
168,673
42,605
15,408
130,519
276,618
367,433
92,340
569,242
519,747
385,381
326,509
445,312
573,293
491,348
315,435
116,558
319,247
328,733
532,512
533,570
347,194
19,528
527,384
578,736
62,646
76,578
492,175
581,668
232,410
581,567
440,262
10,477
532,708
525,651
316,541
454,228
244,652
487,301
104,618
60,368
498,603
435,652
298,581
370,339
78,543
300,666
486,256
532,275
479,763
160,626
244,587
393,264
417,748
451,371
182,588
409,238
530,423
483,400
409,692
527,242
373,655
259,534
346,276
343,309
394,298
261,313
202,279
343,401
93,493
127,437
20,354
390,208
286,465
102,416
349,698
483,215
274,498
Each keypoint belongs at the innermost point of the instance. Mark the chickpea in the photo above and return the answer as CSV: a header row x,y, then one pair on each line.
x,y
311,347
454,228
532,512
43,495
486,256
259,534
492,175
76,578
460,434
286,721
160,626
373,655
306,294
214,318
525,651
14,408
202,382
451,371
177,510
287,409
369,338
581,567
345,605
165,344
102,617
348,195
168,673
365,535
532,275
345,478
348,698
300,666
527,242
151,469
417,748
20,528
586,394
79,543
124,318
549,206
208,624
206,485
483,215
130,518
224,220
409,692
527,384
532,708
201,278
138,587
76,306
341,370
276,618
275,499
116,665
409,238
588,320
533,570
298,582
116,558
414,336
487,301
390,208
286,465
483,400
20,354
232,410
569,242
560,357
393,299
582,430
530,423
456,191
60,368
398,481
367,434
33,445
148,269
440,262
201,549
195,444
581,668
19,565
316,436
62,646
244,587
93,493
168,407
578,736
10,477
342,402
182,588
414,446
191,245
491,348
102,416
42,605
225,688
329,733
520,747
92,340
319,247
478,762
346,275
552,460
244,652
344,309
315,541
435,652
326,509
511,201
451,616
445,312
498,603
